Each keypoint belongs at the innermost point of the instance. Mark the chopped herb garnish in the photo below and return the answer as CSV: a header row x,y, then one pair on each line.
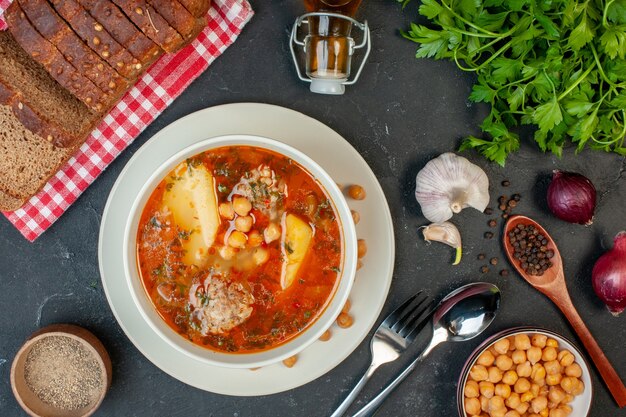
x,y
169,186
307,315
154,222
222,188
335,269
184,234
288,247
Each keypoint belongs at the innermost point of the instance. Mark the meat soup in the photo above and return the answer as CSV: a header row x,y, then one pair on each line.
x,y
239,249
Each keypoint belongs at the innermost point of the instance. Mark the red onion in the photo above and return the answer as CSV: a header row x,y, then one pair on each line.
x,y
609,276
572,197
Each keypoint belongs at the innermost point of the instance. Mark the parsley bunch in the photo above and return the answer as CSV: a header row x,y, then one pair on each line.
x,y
556,64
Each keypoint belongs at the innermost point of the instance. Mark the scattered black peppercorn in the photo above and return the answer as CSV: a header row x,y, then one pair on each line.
x,y
481,256
502,207
488,235
505,215
492,223
488,211
484,269
516,197
493,261
512,203
506,183
503,199
504,273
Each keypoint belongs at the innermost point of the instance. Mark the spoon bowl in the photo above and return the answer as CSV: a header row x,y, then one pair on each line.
x,y
552,284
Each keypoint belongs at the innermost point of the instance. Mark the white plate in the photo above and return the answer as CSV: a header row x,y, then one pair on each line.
x,y
338,158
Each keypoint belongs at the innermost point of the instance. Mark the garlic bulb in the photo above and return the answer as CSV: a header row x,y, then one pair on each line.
x,y
446,233
448,184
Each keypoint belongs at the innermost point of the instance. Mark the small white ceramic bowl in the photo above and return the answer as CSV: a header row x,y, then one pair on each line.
x,y
306,337
581,404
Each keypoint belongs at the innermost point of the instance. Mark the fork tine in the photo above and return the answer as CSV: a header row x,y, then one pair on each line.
x,y
393,317
425,319
410,322
409,313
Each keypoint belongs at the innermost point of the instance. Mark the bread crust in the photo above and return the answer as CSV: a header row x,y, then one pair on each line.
x,y
177,16
151,23
99,40
52,60
198,8
123,30
54,29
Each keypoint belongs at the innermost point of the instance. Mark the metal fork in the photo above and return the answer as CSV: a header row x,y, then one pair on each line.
x,y
392,338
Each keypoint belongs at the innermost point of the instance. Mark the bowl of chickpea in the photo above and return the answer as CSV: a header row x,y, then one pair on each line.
x,y
525,372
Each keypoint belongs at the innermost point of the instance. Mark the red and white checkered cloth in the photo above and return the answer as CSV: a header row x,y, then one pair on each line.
x,y
156,90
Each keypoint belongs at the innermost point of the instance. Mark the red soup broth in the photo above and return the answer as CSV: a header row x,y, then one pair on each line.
x,y
239,298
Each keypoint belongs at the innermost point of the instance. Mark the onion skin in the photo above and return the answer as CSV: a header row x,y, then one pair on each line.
x,y
609,276
572,197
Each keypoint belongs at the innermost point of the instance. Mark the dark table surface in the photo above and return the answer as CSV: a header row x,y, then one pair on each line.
x,y
400,114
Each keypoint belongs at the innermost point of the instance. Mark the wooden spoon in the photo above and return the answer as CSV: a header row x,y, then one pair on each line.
x,y
552,284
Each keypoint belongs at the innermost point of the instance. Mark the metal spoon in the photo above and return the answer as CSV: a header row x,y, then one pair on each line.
x,y
461,315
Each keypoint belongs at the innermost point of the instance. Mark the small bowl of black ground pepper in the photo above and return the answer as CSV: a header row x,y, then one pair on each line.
x,y
61,370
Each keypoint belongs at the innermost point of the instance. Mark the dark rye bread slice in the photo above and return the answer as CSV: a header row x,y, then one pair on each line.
x,y
38,101
52,60
151,23
179,18
48,23
98,39
123,30
198,8
27,161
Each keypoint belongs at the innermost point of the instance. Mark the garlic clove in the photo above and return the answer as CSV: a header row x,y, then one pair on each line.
x,y
448,184
446,233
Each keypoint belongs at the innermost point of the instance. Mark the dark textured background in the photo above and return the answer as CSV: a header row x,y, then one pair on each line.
x,y
401,113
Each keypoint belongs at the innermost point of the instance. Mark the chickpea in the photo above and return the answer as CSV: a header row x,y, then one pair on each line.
x,y
325,337
519,356
356,192
254,239
242,205
344,320
509,377
522,342
479,373
486,389
554,379
569,383
566,408
527,397
579,388
504,362
346,306
502,346
511,343
539,340
226,211
471,389
472,406
568,398
573,370
236,239
361,248
243,223
498,412
271,232
513,401
495,375
493,351
556,394
566,358
552,343
544,412
486,359
359,264
484,403
503,390
522,385
512,413
260,256
549,353
227,253
356,217
524,369
522,408
538,404
496,403
552,367
538,372
290,361
534,354
557,412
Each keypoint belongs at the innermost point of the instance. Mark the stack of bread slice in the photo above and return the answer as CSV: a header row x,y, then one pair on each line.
x,y
64,64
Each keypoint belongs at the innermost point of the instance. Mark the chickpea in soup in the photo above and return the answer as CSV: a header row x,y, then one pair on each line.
x,y
240,249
